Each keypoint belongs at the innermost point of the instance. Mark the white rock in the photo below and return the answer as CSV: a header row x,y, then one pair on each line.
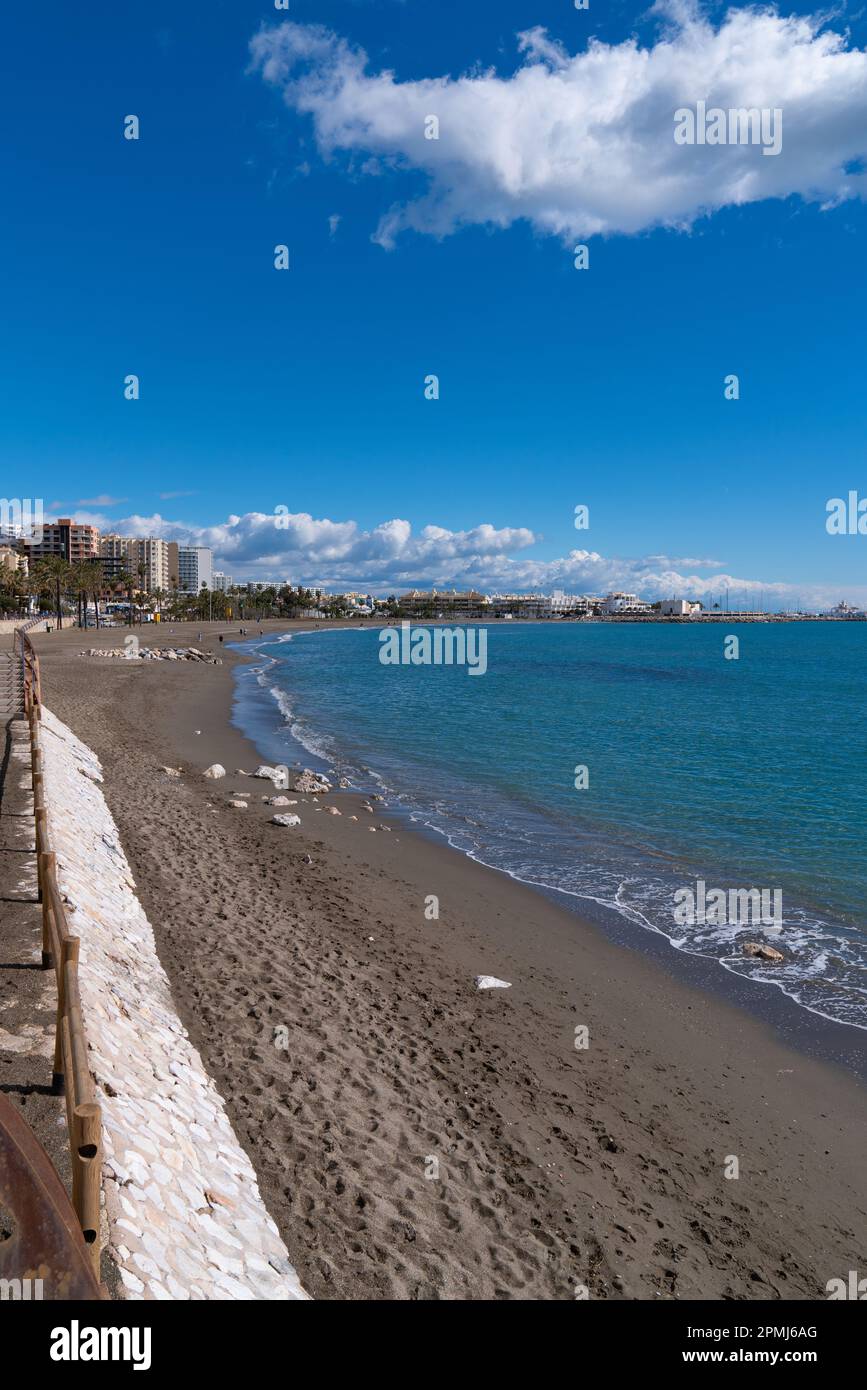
x,y
238,805
215,770
491,982
310,782
332,811
285,820
264,771
131,1282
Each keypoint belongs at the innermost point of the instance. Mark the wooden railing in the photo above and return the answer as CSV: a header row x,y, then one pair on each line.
x,y
72,1076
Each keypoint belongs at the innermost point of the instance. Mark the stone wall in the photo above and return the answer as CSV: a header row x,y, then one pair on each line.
x,y
185,1216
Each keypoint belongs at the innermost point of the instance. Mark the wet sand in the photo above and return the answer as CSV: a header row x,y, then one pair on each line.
x,y
416,1138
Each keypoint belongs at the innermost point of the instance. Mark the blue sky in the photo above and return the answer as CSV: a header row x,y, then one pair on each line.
x,y
305,389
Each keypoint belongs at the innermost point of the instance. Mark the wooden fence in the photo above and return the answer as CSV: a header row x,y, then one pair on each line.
x,y
72,1076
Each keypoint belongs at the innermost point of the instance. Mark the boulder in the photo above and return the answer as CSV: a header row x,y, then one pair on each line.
x,y
764,952
239,805
262,771
311,782
491,982
285,820
332,811
171,771
278,801
215,770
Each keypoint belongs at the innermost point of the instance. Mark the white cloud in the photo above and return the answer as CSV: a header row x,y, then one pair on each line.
x,y
103,500
392,557
583,144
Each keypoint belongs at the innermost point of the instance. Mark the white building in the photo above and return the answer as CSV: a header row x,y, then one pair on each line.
x,y
195,568
842,610
623,603
222,582
560,602
359,603
678,607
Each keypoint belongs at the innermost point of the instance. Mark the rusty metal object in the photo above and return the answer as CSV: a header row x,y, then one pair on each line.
x,y
46,1242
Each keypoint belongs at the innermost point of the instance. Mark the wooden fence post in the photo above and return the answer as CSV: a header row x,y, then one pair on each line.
x,y
68,952
47,862
86,1137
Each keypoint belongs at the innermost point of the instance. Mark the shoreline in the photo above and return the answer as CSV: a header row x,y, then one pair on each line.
x,y
393,1034
816,1034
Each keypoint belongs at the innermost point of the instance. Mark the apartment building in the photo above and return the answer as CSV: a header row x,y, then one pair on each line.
x,y
561,603
67,539
623,603
12,559
134,554
192,566
446,603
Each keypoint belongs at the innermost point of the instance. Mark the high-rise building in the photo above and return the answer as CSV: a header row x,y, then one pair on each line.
x,y
65,538
146,558
195,568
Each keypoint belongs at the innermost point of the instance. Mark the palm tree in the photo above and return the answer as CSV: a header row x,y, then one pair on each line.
x,y
77,579
94,580
53,572
123,584
81,574
13,587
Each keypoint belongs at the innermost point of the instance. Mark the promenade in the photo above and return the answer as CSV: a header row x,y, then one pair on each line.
x,y
28,996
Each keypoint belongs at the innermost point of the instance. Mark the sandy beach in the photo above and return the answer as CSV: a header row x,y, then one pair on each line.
x,y
418,1139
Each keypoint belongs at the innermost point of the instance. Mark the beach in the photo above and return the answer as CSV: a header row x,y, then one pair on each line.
x,y
412,1136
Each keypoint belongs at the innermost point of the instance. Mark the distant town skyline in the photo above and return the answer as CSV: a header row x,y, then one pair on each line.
x,y
452,257
339,557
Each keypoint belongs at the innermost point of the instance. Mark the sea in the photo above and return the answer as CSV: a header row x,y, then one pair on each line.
x,y
735,766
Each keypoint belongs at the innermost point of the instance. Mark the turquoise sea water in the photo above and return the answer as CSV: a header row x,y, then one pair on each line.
x,y
744,773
